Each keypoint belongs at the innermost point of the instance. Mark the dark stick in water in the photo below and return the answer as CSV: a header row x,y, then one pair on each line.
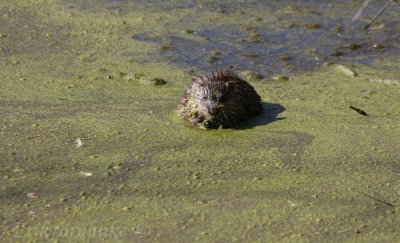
x,y
362,8
379,13
361,112
360,11
376,199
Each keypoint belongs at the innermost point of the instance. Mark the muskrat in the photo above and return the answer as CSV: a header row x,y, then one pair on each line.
x,y
219,99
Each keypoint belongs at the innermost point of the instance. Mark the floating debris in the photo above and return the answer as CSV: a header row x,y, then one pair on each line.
x,y
250,75
377,26
153,81
345,70
280,77
291,204
361,112
388,82
337,53
143,79
377,47
188,31
79,143
166,48
33,195
353,46
285,57
87,174
313,26
33,136
374,198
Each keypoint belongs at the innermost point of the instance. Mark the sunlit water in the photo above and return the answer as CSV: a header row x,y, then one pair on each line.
x,y
271,36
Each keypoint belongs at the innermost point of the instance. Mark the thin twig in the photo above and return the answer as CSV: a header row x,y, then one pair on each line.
x,y
361,112
376,199
379,13
360,11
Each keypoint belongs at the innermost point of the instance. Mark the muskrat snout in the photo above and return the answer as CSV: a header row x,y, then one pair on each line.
x,y
213,109
211,123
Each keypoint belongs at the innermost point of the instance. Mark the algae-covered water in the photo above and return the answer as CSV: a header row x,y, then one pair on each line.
x,y
91,150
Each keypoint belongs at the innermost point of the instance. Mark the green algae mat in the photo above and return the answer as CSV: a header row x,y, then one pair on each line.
x,y
92,149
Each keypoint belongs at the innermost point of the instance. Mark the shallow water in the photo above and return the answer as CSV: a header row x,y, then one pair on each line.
x,y
271,36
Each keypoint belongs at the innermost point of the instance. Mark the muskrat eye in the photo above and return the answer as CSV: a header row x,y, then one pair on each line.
x,y
202,96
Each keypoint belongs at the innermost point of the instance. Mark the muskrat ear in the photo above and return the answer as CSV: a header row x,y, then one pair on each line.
x,y
231,85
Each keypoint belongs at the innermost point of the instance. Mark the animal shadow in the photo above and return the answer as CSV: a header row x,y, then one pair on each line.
x,y
269,115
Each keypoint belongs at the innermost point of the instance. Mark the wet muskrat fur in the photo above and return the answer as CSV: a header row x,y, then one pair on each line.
x,y
220,99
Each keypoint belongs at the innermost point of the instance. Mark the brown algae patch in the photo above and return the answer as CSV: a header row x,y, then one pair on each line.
x,y
153,178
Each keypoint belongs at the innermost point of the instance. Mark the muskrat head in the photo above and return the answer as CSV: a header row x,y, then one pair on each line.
x,y
210,99
220,99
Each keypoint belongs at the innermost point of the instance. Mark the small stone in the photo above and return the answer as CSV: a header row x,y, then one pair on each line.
x,y
79,143
213,58
166,48
353,46
157,81
254,34
285,58
87,174
141,78
345,70
280,78
313,26
188,31
337,53
377,47
33,195
250,75
127,208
